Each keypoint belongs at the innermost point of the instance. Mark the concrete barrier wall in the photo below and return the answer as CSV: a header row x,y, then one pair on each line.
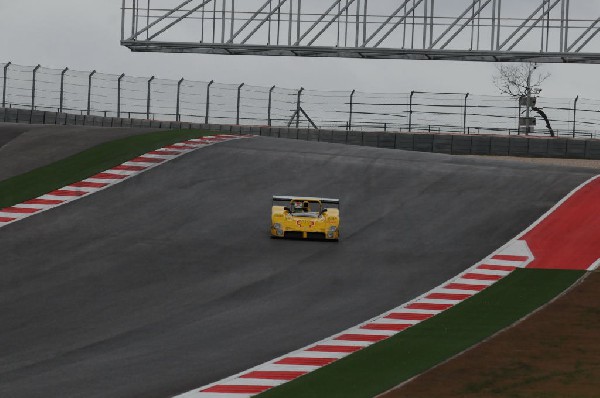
x,y
454,144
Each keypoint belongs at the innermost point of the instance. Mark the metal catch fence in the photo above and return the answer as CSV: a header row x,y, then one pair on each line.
x,y
111,95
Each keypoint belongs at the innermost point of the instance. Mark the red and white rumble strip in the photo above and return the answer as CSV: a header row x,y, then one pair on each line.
x,y
107,178
577,217
303,361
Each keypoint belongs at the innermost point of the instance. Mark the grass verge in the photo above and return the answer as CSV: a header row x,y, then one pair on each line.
x,y
85,164
554,353
385,365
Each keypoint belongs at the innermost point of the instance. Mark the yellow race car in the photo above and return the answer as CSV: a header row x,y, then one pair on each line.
x,y
305,218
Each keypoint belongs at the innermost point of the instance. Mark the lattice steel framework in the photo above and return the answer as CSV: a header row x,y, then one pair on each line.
x,y
548,31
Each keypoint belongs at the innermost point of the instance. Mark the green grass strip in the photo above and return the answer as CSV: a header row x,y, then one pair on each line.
x,y
385,365
86,164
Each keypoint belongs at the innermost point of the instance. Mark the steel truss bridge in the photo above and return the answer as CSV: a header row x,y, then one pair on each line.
x,y
550,31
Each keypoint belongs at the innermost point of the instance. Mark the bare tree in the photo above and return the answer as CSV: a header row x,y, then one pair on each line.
x,y
512,79
522,80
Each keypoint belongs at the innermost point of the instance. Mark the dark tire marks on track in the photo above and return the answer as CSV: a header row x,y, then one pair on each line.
x,y
9,133
169,281
24,147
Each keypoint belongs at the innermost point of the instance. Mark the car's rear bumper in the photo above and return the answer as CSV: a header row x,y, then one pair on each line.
x,y
309,235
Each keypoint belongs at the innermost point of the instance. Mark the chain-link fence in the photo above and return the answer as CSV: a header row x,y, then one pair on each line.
x,y
109,95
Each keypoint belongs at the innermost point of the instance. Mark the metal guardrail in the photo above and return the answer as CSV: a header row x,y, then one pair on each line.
x,y
111,95
455,144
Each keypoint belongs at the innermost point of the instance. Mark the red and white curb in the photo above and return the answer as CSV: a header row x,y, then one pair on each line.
x,y
515,254
107,178
324,352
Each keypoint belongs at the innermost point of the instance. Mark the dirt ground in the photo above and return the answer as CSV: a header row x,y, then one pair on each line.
x,y
553,353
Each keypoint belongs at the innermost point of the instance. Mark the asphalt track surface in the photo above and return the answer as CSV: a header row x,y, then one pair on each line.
x,y
169,281
24,147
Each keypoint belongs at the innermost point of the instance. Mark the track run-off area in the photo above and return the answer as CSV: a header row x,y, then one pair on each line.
x,y
168,281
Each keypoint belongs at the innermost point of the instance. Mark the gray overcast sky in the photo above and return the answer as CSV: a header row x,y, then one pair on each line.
x,y
84,35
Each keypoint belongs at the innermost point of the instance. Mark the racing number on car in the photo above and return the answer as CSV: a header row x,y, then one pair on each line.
x,y
310,225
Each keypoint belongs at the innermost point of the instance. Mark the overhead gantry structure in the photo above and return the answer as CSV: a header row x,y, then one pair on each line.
x,y
550,31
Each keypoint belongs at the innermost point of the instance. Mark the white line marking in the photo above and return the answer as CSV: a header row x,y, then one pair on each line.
x,y
281,368
594,266
452,291
492,272
392,321
437,301
320,354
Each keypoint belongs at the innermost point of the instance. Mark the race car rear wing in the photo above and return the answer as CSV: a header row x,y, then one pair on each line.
x,y
290,198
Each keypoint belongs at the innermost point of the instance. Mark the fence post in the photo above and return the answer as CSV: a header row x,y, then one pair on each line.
x,y
518,118
410,111
269,121
149,98
62,89
208,100
351,110
119,95
177,115
89,99
4,85
574,114
239,98
33,87
298,107
465,115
